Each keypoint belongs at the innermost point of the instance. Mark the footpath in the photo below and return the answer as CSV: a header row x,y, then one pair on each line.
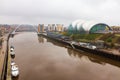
x,y
3,53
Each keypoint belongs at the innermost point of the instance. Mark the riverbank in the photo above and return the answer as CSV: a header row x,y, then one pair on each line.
x,y
3,56
91,51
111,40
79,52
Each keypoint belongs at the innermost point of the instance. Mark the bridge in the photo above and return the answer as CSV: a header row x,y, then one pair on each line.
x,y
13,32
15,29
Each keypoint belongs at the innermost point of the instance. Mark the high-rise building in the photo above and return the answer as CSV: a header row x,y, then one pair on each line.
x,y
59,27
55,27
41,28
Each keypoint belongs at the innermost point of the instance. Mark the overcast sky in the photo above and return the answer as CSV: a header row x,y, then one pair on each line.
x,y
59,11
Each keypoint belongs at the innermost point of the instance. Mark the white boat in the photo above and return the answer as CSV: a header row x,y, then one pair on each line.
x,y
14,70
11,49
12,63
91,47
12,53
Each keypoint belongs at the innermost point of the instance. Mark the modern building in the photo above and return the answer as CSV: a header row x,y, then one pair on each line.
x,y
55,27
51,27
81,26
59,27
41,28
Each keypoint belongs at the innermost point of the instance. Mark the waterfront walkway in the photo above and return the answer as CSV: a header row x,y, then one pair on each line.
x,y
2,54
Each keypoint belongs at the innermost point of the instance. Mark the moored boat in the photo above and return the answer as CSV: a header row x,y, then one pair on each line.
x,y
12,50
14,70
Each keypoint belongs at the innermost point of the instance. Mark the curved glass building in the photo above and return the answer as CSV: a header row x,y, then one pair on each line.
x,y
80,26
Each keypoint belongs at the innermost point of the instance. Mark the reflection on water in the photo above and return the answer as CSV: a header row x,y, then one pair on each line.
x,y
71,52
41,39
12,56
15,78
76,54
93,58
40,58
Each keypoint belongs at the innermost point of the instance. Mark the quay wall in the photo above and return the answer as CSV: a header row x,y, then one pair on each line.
x,y
98,52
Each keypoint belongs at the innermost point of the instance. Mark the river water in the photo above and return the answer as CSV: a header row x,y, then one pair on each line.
x,y
39,58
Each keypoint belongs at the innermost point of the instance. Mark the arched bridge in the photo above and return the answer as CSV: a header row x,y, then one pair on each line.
x,y
13,32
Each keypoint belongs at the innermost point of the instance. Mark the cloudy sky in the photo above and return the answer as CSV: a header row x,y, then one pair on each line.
x,y
59,11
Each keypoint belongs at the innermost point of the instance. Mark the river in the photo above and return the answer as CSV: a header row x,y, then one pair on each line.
x,y
39,58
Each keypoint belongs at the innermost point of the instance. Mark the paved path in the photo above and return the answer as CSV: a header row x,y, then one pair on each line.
x,y
2,54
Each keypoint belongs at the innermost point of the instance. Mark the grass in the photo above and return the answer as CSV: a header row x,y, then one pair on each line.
x,y
83,40
109,38
83,37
